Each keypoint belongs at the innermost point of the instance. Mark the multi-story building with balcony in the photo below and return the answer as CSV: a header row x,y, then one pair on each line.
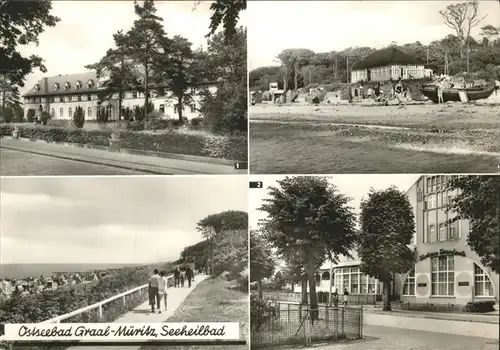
x,y
60,95
447,271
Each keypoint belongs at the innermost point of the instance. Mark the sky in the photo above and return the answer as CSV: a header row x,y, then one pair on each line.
x,y
109,219
354,186
86,29
324,26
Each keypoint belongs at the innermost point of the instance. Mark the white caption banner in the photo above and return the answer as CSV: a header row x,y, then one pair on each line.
x,y
188,331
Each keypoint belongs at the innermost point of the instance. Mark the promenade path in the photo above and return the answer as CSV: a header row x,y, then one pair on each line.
x,y
60,155
142,313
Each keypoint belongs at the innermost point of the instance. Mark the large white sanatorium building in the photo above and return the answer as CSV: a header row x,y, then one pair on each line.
x,y
60,95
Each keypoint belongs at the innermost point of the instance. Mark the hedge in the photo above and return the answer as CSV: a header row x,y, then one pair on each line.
x,y
480,306
226,147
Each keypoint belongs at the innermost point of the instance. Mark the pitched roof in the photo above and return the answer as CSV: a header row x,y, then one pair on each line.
x,y
61,80
385,57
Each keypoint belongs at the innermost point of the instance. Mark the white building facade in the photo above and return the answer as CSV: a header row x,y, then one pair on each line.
x,y
61,95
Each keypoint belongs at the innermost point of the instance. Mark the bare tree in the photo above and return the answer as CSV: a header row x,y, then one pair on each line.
x,y
462,18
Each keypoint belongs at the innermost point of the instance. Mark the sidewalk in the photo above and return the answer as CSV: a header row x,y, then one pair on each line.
x,y
144,163
142,313
464,317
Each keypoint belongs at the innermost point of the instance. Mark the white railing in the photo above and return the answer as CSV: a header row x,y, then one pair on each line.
x,y
100,304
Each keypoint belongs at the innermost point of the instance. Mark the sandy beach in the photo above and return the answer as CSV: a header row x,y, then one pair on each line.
x,y
449,116
301,138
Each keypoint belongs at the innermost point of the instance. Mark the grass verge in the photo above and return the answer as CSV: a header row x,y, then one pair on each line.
x,y
213,300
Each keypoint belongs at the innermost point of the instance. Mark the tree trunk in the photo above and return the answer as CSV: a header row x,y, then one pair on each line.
x,y
295,76
179,108
386,296
146,91
304,290
313,305
259,289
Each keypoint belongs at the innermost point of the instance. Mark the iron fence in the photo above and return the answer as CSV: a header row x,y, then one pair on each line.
x,y
324,297
292,323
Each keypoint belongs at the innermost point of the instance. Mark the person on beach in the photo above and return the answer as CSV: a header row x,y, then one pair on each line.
x,y
154,295
369,92
162,288
177,275
189,275
439,90
346,296
398,89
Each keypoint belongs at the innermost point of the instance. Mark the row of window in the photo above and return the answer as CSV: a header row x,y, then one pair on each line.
x,y
108,110
443,279
439,200
442,232
355,281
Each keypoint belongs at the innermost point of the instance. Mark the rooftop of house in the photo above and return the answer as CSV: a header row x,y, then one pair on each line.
x,y
80,83
386,57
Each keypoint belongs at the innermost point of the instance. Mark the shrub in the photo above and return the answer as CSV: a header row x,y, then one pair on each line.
x,y
261,311
30,116
45,118
19,114
128,114
480,306
6,129
171,141
135,126
196,121
78,117
59,123
137,112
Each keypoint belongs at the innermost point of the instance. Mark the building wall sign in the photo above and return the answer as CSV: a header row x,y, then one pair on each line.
x,y
422,285
463,284
441,252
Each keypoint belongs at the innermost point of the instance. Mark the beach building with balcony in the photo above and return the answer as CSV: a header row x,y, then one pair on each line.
x,y
386,64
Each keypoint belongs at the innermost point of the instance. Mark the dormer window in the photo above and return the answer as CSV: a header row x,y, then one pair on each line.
x,y
67,86
78,84
90,84
56,86
37,87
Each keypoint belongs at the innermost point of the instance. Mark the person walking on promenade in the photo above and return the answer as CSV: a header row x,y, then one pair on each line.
x,y
154,296
399,94
182,279
189,275
177,276
162,289
346,296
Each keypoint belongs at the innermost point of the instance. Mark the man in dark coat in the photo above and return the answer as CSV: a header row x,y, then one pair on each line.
x,y
177,276
189,275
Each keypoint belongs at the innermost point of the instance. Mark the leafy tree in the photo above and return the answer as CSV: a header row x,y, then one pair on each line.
x,y
262,263
120,70
213,226
178,71
387,228
278,281
226,12
307,217
7,114
102,116
226,110
231,254
9,94
18,114
78,117
145,43
45,117
479,202
21,22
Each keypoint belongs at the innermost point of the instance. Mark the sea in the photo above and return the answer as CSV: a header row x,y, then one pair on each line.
x,y
19,271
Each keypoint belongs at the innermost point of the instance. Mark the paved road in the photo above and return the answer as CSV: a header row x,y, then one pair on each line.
x,y
387,338
16,163
142,313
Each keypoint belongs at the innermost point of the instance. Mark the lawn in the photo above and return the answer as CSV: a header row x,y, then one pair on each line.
x,y
213,300
281,148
